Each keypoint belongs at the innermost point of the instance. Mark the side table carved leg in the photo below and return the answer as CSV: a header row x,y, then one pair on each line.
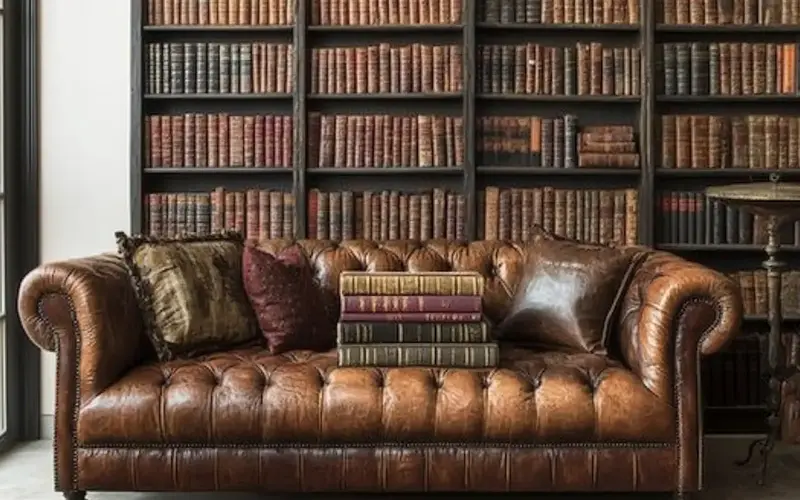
x,y
777,371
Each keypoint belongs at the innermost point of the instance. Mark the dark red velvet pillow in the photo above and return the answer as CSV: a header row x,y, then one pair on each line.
x,y
286,300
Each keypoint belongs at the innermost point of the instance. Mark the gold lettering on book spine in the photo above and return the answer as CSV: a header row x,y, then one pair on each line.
x,y
399,283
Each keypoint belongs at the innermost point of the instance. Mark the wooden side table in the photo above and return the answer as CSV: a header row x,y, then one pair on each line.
x,y
780,202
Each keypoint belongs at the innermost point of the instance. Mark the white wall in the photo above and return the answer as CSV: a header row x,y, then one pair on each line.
x,y
85,81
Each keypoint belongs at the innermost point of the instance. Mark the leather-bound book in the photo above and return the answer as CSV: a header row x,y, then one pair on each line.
x,y
484,355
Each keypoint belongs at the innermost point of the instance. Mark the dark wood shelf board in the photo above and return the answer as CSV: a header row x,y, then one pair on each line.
x,y
386,171
737,407
608,28
217,170
219,28
502,170
762,98
386,96
726,28
226,96
389,28
724,172
682,247
560,98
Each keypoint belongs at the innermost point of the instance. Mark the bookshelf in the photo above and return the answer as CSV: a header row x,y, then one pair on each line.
x,y
471,95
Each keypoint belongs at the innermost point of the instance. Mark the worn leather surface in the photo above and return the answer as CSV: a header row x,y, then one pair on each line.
x,y
540,422
673,312
250,396
382,468
569,294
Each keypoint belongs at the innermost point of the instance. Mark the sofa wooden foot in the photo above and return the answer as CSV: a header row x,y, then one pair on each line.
x,y
75,495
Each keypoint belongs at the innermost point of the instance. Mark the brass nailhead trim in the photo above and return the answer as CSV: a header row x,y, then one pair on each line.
x,y
675,384
309,446
77,339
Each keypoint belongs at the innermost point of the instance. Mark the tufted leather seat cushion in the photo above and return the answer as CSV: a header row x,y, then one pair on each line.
x,y
301,397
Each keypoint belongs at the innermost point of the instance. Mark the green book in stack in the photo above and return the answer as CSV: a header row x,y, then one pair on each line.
x,y
414,319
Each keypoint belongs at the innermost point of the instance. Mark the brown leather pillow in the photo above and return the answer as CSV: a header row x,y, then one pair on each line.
x,y
569,293
287,301
190,292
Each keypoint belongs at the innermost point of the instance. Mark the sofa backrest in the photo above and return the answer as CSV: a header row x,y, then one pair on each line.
x,y
499,262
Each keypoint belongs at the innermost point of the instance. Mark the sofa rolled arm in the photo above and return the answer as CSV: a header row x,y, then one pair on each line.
x,y
674,309
85,310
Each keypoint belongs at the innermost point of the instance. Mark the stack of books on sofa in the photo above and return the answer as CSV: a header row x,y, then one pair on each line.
x,y
413,319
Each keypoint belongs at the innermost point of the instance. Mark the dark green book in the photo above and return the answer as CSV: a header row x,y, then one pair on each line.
x,y
392,333
485,355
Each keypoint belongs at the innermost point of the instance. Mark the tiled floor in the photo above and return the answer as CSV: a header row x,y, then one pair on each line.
x,y
26,474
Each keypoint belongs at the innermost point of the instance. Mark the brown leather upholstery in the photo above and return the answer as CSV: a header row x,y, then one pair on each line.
x,y
252,397
247,420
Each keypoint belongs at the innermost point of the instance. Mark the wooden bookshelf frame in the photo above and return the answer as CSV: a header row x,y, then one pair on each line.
x,y
300,35
470,178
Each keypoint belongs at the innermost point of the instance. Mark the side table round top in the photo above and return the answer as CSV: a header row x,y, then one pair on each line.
x,y
780,199
757,191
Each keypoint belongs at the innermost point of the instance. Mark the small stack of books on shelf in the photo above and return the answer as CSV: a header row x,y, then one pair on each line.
x,y
608,146
430,319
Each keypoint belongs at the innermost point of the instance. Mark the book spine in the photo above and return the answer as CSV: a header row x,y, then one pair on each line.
x,y
388,333
413,317
454,355
410,284
410,303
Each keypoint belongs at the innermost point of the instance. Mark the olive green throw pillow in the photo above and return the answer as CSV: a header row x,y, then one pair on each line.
x,y
190,292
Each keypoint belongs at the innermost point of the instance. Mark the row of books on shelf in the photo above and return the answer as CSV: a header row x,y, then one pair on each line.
x,y
256,213
424,12
754,287
584,68
722,68
745,141
560,12
218,140
554,142
262,67
685,68
353,141
689,217
741,12
220,12
236,68
385,12
356,141
387,68
591,215
386,215
338,215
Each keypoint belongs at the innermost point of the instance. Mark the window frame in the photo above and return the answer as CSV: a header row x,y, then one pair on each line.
x,y
21,186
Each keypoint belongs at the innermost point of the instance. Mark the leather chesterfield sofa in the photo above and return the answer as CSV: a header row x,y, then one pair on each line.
x,y
245,420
